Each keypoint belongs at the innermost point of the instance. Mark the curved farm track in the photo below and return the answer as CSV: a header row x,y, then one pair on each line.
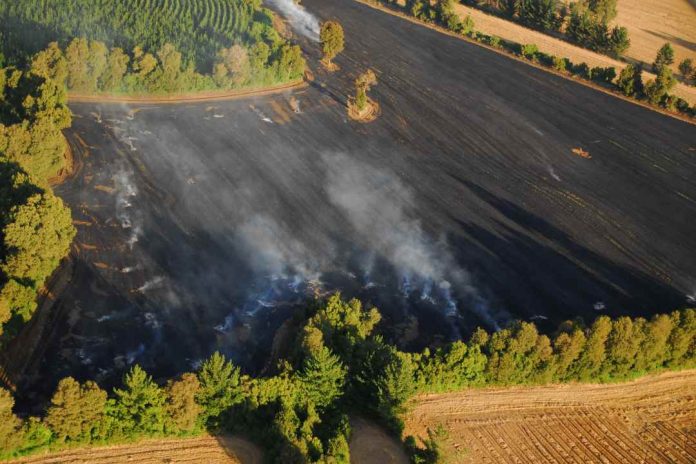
x,y
212,450
650,420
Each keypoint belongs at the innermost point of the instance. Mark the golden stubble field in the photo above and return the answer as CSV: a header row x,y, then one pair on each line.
x,y
651,23
651,420
208,449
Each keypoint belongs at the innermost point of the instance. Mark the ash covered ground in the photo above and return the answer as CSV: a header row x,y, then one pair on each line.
x,y
205,226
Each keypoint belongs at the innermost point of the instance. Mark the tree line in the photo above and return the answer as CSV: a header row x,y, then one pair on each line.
x,y
628,81
35,226
89,66
339,363
585,22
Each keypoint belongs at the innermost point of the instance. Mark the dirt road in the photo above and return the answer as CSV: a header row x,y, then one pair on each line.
x,y
650,420
209,450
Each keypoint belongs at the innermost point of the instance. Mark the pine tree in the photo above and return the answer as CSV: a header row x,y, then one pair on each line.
x,y
220,386
665,57
322,377
139,408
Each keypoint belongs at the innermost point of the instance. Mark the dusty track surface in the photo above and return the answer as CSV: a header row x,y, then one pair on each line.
x,y
199,97
203,226
650,420
370,444
213,450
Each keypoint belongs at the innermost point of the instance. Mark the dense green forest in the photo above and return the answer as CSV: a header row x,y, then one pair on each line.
x,y
35,226
148,46
338,364
198,28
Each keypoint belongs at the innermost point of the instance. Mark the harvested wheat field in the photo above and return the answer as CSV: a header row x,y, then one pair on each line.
x,y
650,420
644,43
209,450
651,23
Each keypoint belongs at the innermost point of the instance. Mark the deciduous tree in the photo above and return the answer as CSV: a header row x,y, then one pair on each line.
x,y
77,411
332,40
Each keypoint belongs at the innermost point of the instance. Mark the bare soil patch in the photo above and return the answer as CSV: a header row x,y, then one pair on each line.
x,y
369,444
651,420
208,449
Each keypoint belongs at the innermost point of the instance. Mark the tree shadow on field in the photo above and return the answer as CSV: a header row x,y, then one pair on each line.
x,y
240,450
534,268
674,39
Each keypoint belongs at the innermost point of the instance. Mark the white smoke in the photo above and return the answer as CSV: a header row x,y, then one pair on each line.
x,y
272,250
125,192
302,21
376,203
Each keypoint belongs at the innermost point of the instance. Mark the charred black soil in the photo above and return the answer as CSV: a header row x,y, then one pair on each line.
x,y
204,226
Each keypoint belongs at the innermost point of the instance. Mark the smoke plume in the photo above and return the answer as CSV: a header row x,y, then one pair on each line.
x,y
302,21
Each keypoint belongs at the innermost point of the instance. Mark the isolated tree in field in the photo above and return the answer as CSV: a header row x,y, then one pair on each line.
x,y
77,411
140,406
220,386
182,408
665,57
362,85
332,41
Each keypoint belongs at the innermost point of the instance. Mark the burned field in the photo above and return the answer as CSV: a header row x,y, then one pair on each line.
x,y
205,226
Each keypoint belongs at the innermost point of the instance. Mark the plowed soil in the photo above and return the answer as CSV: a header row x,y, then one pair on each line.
x,y
212,450
650,420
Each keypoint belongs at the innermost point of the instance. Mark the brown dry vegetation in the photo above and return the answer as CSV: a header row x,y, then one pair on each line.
x,y
652,419
642,22
212,450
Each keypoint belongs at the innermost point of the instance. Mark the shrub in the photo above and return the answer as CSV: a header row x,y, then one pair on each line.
x,y
529,51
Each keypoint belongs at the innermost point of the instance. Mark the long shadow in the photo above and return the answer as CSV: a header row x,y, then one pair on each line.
x,y
671,38
538,269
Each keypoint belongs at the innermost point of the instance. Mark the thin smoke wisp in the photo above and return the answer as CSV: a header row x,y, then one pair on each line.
x,y
302,21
